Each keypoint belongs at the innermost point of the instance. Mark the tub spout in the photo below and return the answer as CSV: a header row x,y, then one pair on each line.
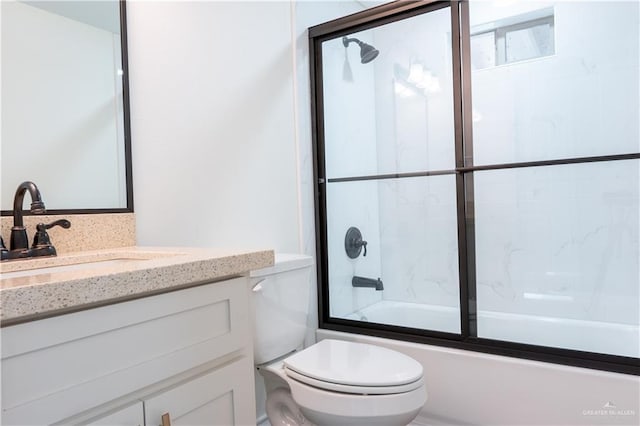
x,y
367,282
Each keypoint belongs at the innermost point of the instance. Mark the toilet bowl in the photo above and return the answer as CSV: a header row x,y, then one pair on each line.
x,y
332,382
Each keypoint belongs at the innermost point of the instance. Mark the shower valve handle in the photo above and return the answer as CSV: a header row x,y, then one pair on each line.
x,y
354,244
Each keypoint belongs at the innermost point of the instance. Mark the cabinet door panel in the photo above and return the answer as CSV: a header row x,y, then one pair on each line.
x,y
132,415
221,397
218,412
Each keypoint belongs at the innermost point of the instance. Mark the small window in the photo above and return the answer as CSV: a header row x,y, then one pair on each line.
x,y
513,39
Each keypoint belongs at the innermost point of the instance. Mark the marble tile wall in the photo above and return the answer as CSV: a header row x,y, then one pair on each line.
x,y
560,241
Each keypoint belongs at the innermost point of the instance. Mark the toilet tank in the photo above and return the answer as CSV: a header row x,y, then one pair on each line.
x,y
280,302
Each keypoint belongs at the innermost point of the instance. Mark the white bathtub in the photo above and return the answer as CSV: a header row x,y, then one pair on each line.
x,y
591,336
472,388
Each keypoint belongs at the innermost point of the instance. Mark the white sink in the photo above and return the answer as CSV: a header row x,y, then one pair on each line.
x,y
76,262
65,268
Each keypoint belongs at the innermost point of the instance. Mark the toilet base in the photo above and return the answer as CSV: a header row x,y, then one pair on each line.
x,y
339,409
330,419
280,407
290,402
283,410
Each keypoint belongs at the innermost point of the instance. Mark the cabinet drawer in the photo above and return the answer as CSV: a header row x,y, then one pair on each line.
x,y
57,367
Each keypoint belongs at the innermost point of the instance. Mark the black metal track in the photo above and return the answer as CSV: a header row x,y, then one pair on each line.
x,y
563,161
467,309
374,17
391,176
317,140
464,170
486,167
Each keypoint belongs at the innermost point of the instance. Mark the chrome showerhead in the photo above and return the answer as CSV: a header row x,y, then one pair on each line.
x,y
367,52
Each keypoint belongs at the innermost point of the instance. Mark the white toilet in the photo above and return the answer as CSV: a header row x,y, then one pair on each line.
x,y
332,382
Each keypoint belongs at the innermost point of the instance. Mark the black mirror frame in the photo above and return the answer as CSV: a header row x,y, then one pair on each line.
x,y
127,134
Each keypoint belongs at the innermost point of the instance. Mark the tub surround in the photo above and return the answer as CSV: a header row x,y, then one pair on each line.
x,y
581,335
87,232
472,388
115,275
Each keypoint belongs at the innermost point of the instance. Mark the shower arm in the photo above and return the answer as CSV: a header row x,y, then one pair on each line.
x,y
367,52
347,40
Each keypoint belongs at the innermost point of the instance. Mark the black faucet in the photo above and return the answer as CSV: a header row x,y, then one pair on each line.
x,y
19,243
19,240
367,282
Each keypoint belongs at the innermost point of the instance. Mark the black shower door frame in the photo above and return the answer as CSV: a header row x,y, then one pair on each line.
x,y
464,171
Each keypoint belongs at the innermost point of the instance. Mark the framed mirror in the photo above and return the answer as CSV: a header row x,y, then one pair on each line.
x,y
65,105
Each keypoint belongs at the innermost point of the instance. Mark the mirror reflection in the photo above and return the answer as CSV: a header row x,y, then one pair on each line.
x,y
62,103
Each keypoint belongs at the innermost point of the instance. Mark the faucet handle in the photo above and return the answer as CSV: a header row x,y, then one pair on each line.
x,y
4,253
41,238
353,243
60,222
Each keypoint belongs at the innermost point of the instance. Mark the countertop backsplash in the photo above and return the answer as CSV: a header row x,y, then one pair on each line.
x,y
87,232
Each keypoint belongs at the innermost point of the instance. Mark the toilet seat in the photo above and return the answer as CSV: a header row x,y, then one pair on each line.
x,y
353,389
354,368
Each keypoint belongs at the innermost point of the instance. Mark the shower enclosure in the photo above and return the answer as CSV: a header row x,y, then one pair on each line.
x,y
478,177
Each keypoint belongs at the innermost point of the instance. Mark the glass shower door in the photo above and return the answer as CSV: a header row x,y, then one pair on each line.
x,y
389,174
478,177
557,204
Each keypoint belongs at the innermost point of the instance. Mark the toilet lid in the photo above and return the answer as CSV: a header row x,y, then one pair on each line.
x,y
331,363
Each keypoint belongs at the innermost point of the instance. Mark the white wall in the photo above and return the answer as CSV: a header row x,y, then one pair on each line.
x,y
212,101
214,125
212,112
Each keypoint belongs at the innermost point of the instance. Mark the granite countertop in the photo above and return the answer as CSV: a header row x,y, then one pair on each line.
x,y
113,275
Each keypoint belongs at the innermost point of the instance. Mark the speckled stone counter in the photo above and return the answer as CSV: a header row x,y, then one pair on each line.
x,y
87,232
114,275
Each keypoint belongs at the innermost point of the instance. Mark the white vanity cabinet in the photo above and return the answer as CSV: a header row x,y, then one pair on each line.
x,y
186,353
132,415
213,398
